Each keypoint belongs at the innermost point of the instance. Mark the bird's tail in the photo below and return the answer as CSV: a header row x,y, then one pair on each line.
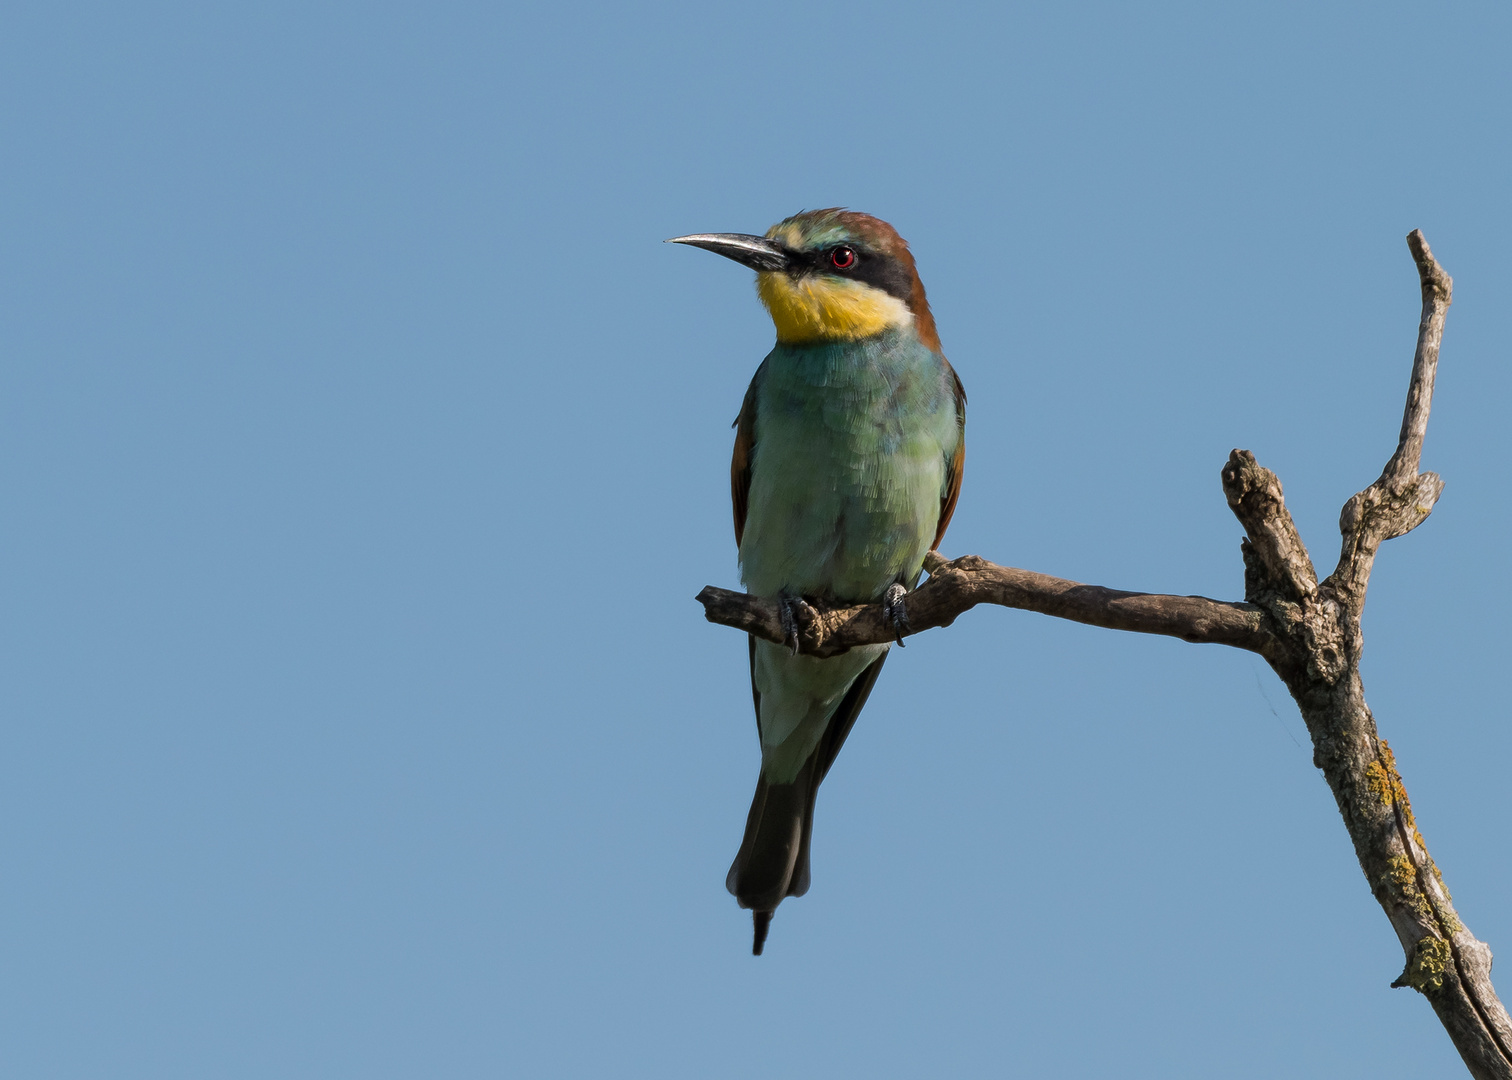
x,y
773,861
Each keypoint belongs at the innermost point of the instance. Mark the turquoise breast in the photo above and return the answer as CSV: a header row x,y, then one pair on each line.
x,y
852,442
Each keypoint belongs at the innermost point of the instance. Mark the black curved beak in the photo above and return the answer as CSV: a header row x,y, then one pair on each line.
x,y
757,252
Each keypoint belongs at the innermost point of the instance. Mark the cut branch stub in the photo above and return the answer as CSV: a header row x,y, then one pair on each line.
x,y
1254,495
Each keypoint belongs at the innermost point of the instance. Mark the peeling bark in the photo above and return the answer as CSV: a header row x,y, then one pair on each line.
x,y
1307,630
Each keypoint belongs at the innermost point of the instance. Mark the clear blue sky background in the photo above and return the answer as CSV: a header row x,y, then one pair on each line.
x,y
363,448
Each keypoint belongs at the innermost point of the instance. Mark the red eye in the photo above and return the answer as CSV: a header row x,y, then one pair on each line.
x,y
842,258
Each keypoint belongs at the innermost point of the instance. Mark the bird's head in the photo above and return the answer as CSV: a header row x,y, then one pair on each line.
x,y
830,275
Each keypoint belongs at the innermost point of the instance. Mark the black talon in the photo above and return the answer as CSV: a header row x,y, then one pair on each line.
x,y
895,611
787,614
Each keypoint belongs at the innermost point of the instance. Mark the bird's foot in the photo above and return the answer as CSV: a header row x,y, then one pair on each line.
x,y
895,611
788,608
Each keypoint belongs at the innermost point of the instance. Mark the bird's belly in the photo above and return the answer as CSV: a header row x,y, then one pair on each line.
x,y
843,516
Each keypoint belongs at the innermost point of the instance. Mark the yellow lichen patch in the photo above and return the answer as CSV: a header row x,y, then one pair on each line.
x,y
1425,967
1401,871
1385,784
816,307
1403,875
1378,782
1398,792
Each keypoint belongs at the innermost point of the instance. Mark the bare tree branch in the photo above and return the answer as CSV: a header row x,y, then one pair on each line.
x,y
1444,960
958,586
1309,632
1401,499
1438,288
1254,495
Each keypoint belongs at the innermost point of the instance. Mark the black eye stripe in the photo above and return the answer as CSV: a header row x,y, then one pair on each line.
x,y
878,270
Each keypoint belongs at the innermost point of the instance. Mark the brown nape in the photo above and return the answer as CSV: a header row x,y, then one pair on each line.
x,y
923,318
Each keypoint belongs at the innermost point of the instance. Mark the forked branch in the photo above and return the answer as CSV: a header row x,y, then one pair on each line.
x,y
1309,632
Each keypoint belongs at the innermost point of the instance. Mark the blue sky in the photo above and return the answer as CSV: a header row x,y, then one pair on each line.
x,y
362,449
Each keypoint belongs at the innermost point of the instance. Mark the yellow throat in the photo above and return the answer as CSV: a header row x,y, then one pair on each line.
x,y
816,307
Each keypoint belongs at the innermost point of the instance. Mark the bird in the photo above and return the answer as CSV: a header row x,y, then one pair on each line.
x,y
849,453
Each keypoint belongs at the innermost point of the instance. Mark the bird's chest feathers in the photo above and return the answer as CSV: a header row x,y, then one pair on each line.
x,y
819,308
844,401
848,468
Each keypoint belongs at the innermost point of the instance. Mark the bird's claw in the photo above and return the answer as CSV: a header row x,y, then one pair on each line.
x,y
787,613
895,611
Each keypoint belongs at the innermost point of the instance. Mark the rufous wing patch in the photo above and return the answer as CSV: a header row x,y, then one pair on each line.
x,y
957,467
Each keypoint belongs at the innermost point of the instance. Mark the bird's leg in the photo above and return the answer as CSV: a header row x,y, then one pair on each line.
x,y
895,611
788,606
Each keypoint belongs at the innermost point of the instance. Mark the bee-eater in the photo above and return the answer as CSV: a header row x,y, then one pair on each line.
x,y
849,450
